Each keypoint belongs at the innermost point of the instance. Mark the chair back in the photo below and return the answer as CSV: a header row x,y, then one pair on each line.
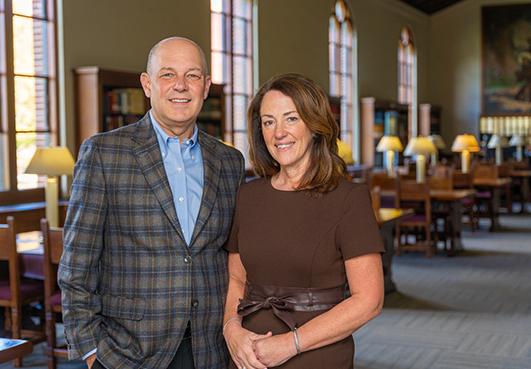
x,y
53,249
485,171
520,165
462,180
417,196
441,183
375,199
8,252
385,184
505,169
442,171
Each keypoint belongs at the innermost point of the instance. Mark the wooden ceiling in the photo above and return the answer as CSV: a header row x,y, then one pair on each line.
x,y
430,6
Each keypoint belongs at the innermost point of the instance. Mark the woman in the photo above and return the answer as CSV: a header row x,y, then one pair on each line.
x,y
300,233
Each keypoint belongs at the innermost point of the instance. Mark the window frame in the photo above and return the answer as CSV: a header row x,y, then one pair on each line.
x,y
338,50
407,84
12,194
229,16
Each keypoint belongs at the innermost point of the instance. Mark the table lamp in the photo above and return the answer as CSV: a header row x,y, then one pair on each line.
x,y
345,152
497,142
389,144
420,146
52,162
439,145
518,141
465,144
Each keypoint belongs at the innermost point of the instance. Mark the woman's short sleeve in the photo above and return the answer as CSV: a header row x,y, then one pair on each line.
x,y
358,232
232,243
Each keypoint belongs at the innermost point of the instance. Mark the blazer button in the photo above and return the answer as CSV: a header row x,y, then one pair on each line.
x,y
195,303
187,259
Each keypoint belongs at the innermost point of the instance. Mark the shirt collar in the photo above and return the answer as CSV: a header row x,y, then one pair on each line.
x,y
163,137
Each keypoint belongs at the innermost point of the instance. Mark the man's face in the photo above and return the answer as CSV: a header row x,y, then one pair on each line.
x,y
176,86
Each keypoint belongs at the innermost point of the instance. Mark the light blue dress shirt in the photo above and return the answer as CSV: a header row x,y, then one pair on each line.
x,y
184,168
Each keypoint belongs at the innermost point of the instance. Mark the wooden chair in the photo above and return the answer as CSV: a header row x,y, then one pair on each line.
x,y
464,181
388,188
417,196
53,249
442,171
440,210
484,197
504,171
375,200
488,171
15,290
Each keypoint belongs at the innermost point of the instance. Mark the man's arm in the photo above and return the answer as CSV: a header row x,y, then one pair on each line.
x,y
83,245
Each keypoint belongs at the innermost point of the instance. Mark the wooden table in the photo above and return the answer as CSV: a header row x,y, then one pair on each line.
x,y
453,198
523,177
11,349
387,219
493,185
28,215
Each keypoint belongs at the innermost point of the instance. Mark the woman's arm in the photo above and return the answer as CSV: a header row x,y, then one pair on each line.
x,y
239,340
365,279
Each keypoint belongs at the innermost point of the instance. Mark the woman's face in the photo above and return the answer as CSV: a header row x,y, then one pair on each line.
x,y
286,136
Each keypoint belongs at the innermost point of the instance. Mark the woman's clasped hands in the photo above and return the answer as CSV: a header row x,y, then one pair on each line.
x,y
258,351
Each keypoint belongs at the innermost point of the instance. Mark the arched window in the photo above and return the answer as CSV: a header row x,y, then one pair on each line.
x,y
28,101
407,77
343,79
232,63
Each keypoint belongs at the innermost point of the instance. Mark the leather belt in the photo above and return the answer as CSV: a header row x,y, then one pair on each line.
x,y
283,300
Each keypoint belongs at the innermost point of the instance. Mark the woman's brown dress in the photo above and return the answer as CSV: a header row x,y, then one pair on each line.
x,y
291,239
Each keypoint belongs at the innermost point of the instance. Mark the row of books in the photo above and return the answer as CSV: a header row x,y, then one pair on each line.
x,y
506,125
126,101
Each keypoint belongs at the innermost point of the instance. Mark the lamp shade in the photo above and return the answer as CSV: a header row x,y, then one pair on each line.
x,y
465,142
497,140
516,140
387,143
419,146
51,161
437,141
345,152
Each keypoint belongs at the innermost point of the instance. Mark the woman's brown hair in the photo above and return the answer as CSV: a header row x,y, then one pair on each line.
x,y
326,167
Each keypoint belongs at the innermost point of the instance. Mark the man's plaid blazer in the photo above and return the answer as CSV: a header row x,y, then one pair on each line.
x,y
129,282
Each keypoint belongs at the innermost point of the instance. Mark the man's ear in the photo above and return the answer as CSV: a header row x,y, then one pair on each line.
x,y
146,84
208,82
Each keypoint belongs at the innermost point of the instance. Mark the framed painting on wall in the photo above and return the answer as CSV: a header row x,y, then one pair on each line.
x,y
506,54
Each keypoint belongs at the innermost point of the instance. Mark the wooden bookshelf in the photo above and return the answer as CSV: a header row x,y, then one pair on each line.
x,y
379,118
109,99
106,99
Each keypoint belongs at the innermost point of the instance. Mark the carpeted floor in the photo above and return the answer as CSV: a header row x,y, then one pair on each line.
x,y
471,311
466,312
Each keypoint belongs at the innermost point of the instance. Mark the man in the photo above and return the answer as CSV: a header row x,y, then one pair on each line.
x,y
143,273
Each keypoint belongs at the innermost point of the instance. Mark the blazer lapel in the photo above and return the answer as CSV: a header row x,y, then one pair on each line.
x,y
211,165
147,153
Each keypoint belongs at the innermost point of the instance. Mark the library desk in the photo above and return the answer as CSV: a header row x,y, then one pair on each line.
x,y
28,215
453,198
494,186
387,219
11,349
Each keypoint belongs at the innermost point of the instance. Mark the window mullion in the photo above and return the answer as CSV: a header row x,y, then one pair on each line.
x,y
10,96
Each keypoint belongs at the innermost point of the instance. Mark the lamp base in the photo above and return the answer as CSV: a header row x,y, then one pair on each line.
x,y
51,194
421,168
